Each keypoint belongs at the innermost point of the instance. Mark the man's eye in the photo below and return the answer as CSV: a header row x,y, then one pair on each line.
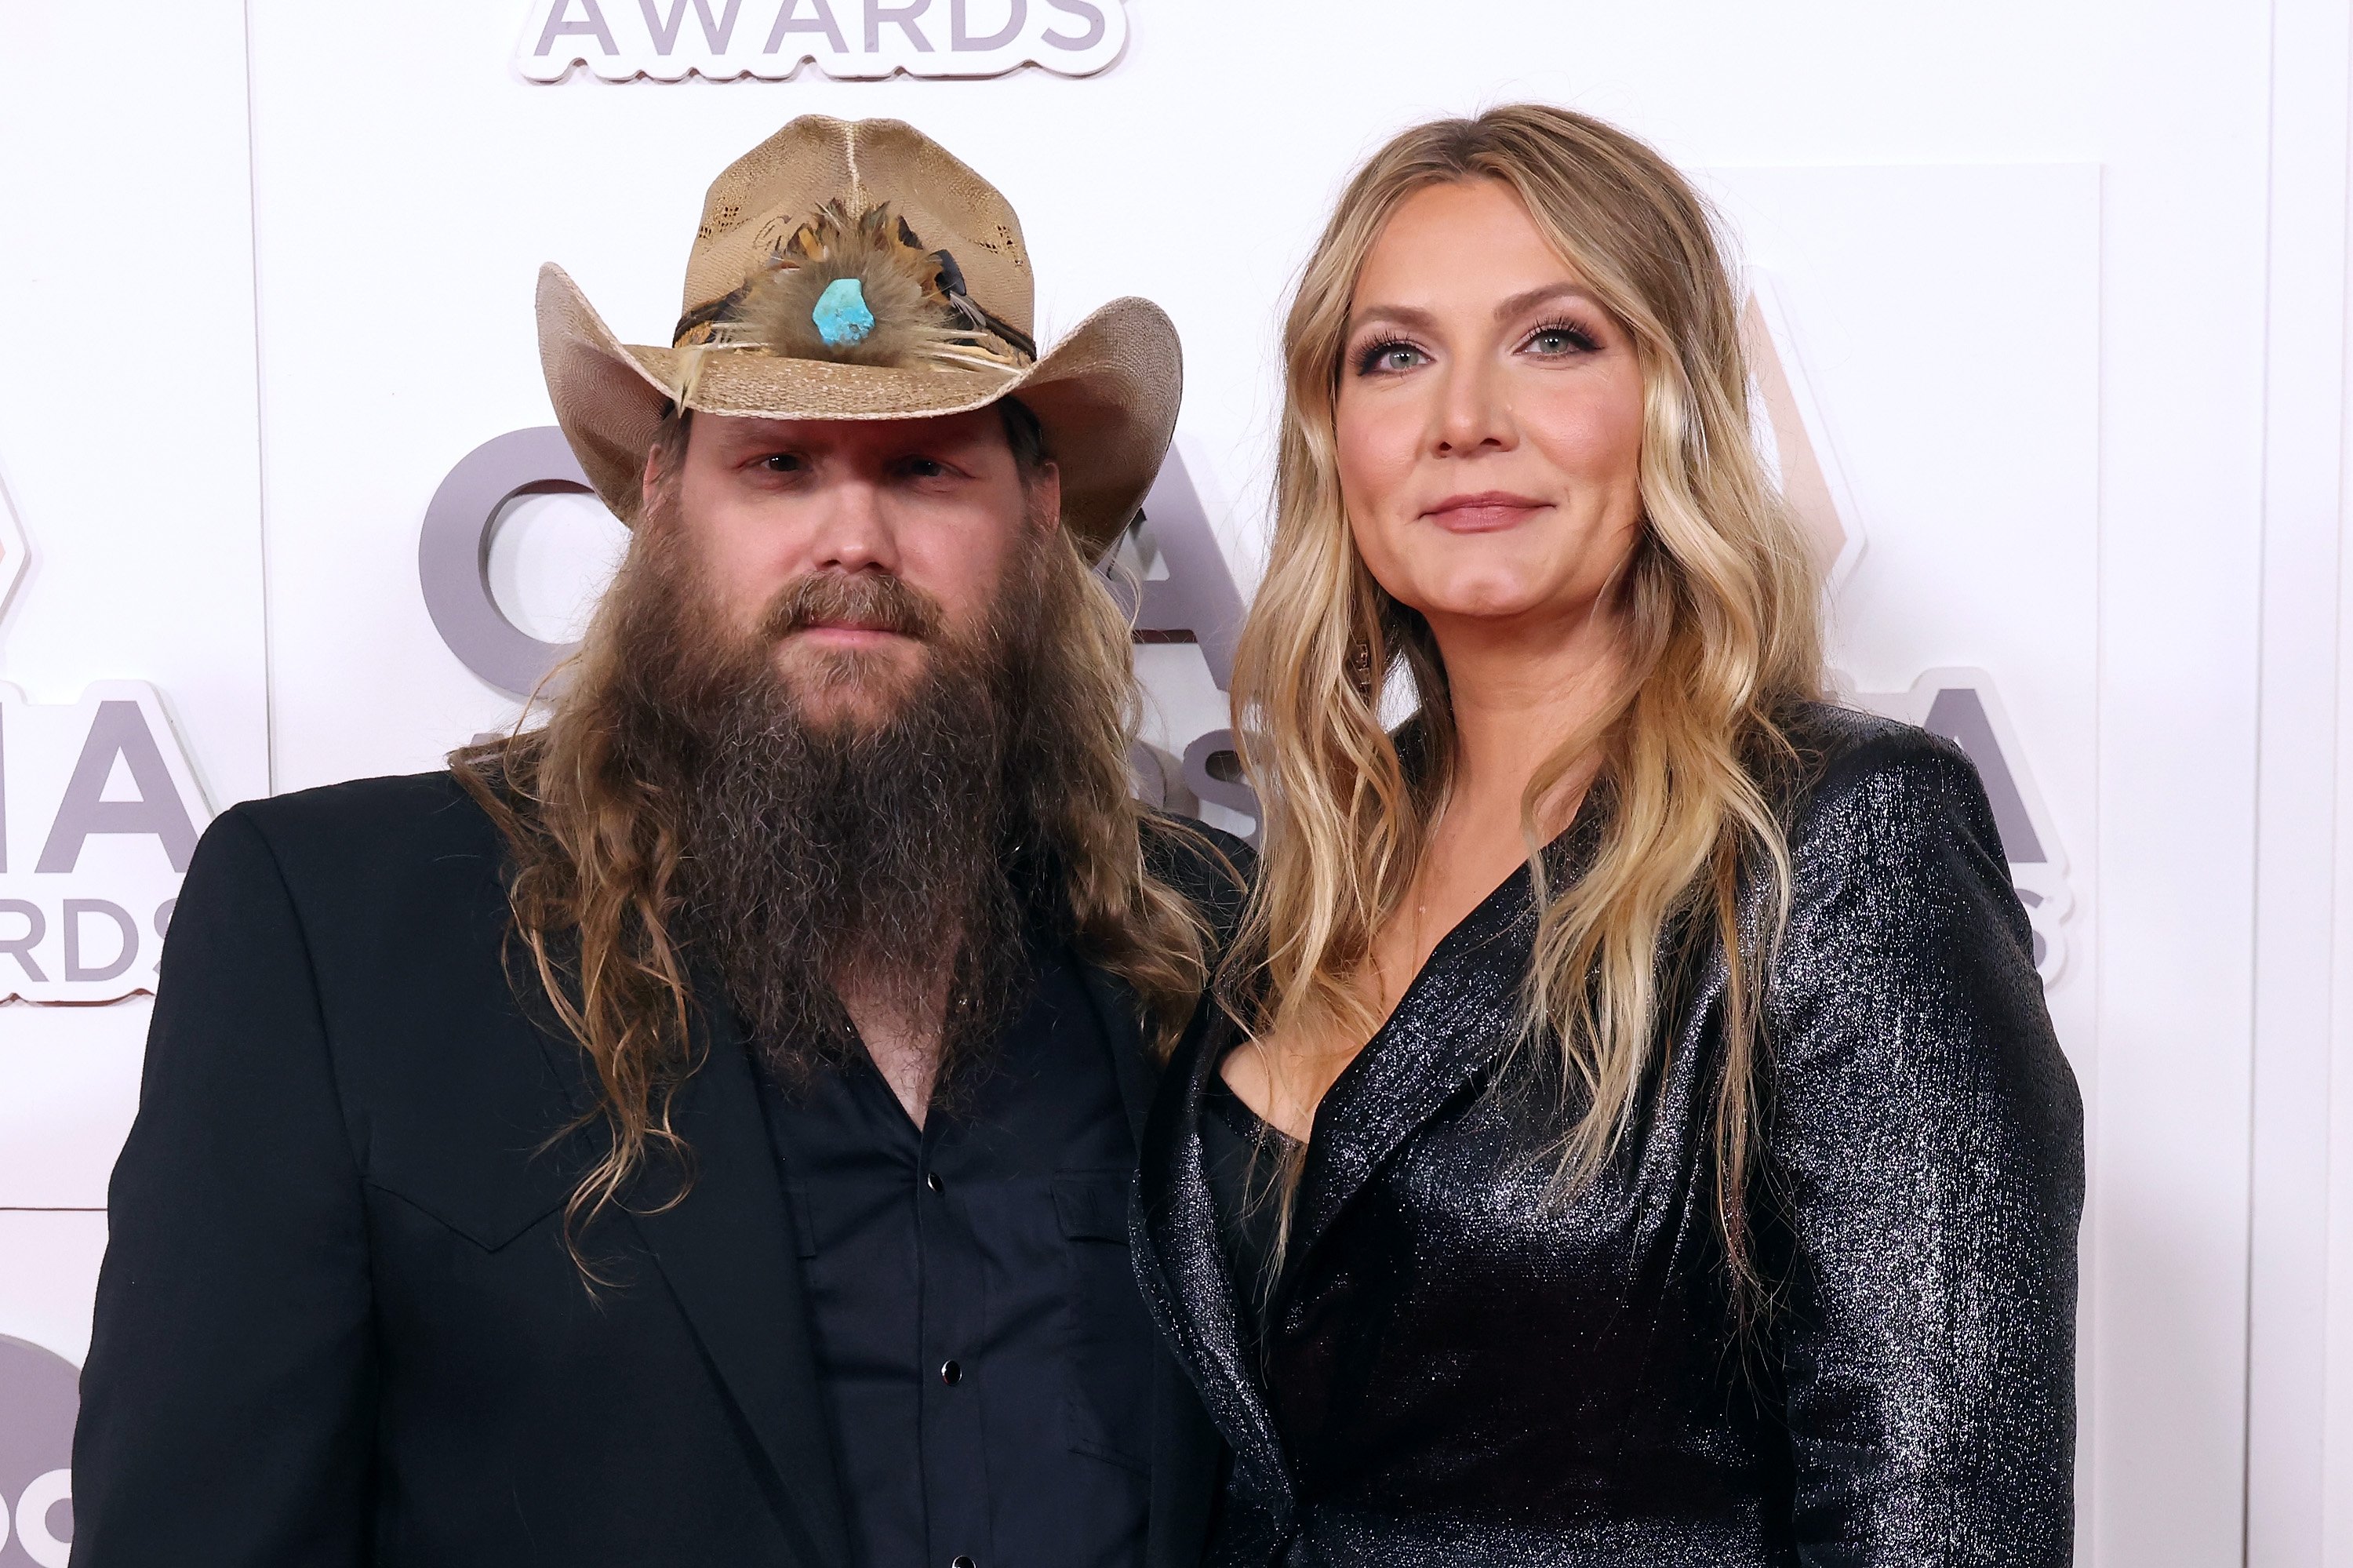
x,y
925,467
782,462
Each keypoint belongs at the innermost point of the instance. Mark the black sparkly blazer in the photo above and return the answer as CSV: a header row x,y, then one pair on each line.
x,y
1454,1373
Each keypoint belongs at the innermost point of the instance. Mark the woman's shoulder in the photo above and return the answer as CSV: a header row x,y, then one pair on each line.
x,y
1840,744
1894,850
1861,780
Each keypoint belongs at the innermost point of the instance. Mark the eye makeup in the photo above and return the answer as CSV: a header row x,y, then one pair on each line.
x,y
1369,359
1578,338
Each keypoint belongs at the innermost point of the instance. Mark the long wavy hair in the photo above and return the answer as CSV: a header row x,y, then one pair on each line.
x,y
597,842
1719,606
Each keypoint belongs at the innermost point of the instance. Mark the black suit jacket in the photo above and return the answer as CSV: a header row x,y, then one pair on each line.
x,y
337,1321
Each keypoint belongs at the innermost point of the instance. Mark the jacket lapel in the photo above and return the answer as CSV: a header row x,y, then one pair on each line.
x,y
1453,1022
1121,1018
726,1252
1186,1282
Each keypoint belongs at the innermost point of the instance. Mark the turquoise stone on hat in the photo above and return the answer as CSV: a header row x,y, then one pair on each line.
x,y
841,315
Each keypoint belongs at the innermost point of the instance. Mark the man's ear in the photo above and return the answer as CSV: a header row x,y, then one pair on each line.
x,y
1046,496
649,481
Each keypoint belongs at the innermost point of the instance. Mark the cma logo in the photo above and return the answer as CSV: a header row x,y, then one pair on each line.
x,y
39,1394
720,40
1961,706
98,814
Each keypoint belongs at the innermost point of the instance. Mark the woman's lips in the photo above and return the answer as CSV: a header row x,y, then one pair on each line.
x,y
1484,512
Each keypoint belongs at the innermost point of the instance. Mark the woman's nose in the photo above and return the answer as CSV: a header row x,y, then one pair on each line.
x,y
1473,413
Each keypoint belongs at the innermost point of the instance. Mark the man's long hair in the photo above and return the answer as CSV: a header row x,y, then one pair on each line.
x,y
598,811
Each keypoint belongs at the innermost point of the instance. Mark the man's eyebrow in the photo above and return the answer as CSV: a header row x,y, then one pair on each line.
x,y
754,429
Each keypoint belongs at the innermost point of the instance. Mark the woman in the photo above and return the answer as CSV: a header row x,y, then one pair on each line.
x,y
1632,1132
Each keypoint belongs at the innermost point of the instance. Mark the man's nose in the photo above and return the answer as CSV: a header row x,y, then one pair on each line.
x,y
855,532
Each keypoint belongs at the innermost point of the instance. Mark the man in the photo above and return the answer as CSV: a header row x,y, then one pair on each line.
x,y
699,1131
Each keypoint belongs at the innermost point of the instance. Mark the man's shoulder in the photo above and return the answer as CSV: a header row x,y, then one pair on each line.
x,y
1210,867
367,830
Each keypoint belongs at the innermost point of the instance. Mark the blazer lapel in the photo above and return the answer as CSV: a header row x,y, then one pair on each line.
x,y
726,1252
1448,1027
1183,1269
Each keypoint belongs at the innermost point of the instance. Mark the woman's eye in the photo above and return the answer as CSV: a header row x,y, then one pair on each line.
x,y
1553,341
1388,357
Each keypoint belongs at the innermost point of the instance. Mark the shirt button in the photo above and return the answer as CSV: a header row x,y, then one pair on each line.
x,y
961,1562
932,1180
951,1373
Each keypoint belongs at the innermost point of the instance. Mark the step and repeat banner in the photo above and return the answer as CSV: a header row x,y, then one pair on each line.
x,y
302,514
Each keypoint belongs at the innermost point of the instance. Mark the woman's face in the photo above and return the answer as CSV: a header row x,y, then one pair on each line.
x,y
1490,418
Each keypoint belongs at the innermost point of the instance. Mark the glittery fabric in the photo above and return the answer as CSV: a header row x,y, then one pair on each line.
x,y
1456,1372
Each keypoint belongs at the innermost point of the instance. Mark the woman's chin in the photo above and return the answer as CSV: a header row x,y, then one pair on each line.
x,y
1500,606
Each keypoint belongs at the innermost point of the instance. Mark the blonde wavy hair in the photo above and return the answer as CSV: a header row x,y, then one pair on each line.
x,y
1719,609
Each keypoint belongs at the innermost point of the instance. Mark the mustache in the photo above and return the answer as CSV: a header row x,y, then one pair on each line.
x,y
873,599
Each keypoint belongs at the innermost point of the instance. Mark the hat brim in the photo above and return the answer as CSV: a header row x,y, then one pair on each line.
x,y
1106,397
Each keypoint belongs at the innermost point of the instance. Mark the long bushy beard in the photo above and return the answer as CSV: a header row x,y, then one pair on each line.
x,y
878,853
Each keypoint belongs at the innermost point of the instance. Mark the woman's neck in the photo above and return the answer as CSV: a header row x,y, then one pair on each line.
x,y
1519,691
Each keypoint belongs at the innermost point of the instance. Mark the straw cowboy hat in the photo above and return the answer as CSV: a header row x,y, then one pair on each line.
x,y
854,270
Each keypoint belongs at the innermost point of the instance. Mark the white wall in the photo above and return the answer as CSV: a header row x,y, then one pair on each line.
x,y
2064,281
128,446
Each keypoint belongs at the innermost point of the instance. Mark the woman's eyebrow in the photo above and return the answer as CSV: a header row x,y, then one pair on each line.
x,y
1393,315
1416,318
1542,294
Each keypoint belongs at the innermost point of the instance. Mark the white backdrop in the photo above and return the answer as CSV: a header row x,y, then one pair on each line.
x,y
2062,285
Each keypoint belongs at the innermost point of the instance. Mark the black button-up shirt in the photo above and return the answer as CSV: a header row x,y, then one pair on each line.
x,y
983,1351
